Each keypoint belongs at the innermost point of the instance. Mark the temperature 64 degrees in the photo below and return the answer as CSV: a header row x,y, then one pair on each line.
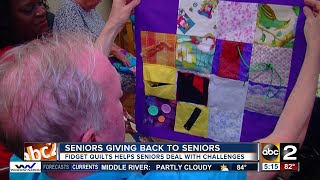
x,y
289,167
245,167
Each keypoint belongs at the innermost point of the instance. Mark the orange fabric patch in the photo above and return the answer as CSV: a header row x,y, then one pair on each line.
x,y
158,48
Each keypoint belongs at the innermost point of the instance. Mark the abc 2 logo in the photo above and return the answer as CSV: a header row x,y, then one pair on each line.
x,y
279,152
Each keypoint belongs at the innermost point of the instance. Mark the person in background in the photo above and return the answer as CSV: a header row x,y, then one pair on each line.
x,y
81,15
22,21
78,100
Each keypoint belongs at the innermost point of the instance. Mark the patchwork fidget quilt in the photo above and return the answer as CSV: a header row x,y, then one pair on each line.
x,y
210,70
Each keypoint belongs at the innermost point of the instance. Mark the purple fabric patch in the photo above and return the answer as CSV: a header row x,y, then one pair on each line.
x,y
153,120
148,15
161,16
216,58
246,53
256,126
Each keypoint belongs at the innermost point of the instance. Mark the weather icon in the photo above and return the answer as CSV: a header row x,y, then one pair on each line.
x,y
224,168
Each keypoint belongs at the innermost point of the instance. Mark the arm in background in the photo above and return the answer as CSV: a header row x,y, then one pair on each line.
x,y
120,13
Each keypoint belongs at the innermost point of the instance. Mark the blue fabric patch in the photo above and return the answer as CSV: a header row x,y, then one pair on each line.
x,y
226,106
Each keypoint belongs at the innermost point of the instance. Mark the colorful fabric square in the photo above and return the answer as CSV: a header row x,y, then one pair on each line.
x,y
160,113
228,62
191,119
226,105
160,81
278,61
158,48
237,21
195,53
184,22
276,25
192,88
197,17
258,102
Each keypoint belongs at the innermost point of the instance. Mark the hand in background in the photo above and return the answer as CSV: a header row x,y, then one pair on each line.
x,y
133,70
116,51
120,12
312,26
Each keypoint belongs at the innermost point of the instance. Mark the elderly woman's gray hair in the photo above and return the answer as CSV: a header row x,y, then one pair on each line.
x,y
44,95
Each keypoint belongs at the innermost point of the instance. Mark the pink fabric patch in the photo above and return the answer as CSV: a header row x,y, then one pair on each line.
x,y
237,21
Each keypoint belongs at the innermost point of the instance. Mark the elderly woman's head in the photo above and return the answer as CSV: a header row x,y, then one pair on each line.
x,y
88,4
59,89
22,20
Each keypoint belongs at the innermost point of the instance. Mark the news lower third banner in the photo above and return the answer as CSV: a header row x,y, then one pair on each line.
x,y
141,152
158,156
38,167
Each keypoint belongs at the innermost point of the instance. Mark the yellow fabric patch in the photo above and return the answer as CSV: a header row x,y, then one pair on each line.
x,y
183,113
160,81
